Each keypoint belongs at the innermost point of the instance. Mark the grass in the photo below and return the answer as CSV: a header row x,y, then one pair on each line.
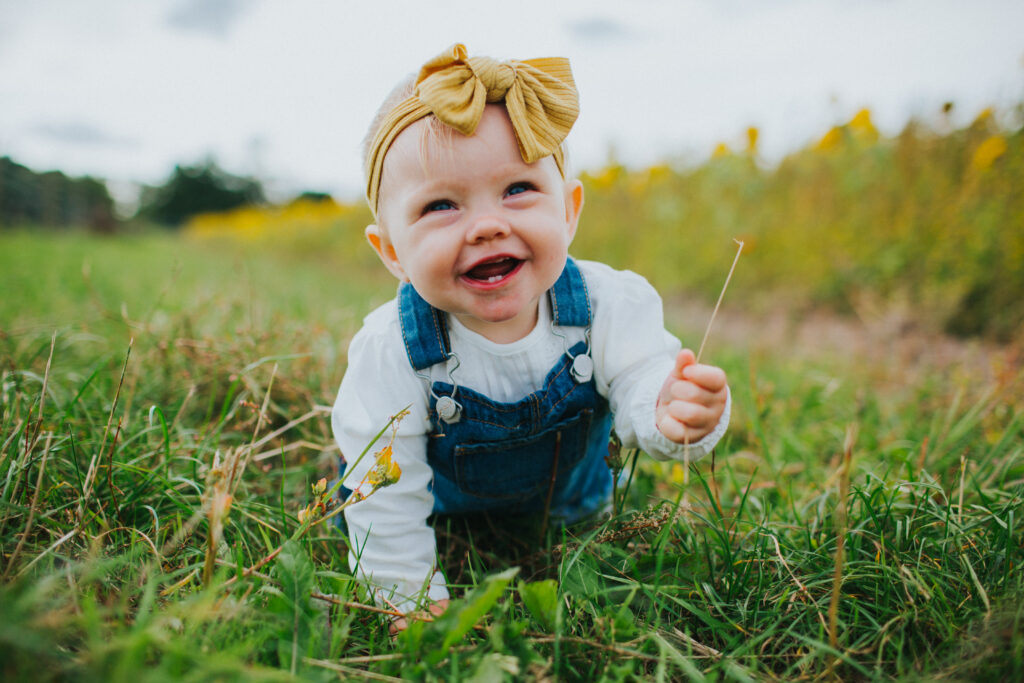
x,y
144,380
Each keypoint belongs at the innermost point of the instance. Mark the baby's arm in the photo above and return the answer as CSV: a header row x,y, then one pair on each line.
x,y
392,546
634,355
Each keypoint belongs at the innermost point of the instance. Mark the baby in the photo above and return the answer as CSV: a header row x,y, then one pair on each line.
x,y
516,359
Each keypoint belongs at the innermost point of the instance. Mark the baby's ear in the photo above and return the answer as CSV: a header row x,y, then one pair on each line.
x,y
378,239
573,204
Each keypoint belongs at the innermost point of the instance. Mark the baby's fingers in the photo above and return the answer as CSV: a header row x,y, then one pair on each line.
x,y
684,359
685,422
397,626
708,377
435,609
672,429
694,416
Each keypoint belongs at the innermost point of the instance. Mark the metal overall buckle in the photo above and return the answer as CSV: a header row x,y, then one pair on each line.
x,y
582,364
448,409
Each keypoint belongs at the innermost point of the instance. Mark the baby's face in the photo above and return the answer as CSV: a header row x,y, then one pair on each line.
x,y
478,232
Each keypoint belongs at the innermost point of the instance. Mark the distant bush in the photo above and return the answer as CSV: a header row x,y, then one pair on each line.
x,y
52,199
192,190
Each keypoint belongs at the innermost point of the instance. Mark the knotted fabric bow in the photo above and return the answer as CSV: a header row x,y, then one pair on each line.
x,y
539,94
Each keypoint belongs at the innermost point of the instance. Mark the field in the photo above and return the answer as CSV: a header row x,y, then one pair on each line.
x,y
164,421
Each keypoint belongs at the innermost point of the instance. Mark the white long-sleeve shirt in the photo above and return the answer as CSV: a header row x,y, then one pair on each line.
x,y
393,547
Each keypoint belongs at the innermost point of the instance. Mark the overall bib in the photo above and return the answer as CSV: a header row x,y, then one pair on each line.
x,y
543,452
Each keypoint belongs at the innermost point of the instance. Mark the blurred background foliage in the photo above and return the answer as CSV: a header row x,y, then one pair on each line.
x,y
926,226
926,223
52,199
198,189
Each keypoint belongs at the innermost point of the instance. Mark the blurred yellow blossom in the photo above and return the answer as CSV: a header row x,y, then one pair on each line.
x,y
988,151
831,140
862,127
721,150
752,135
608,176
659,172
256,223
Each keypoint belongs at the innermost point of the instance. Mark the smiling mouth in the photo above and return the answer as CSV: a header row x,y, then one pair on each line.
x,y
493,271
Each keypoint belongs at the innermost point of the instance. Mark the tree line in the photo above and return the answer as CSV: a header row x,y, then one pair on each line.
x,y
53,199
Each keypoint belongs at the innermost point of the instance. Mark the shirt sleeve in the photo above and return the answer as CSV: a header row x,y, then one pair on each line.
x,y
392,547
633,354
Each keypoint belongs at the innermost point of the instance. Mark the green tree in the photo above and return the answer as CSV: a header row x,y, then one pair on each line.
x,y
197,189
52,199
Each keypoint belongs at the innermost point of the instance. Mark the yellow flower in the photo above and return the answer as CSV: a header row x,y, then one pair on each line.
x,y
678,473
721,150
831,140
752,135
385,471
862,126
987,152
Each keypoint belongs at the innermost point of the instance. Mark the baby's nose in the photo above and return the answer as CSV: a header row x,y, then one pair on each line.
x,y
487,227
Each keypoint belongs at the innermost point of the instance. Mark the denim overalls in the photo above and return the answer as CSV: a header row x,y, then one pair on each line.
x,y
544,452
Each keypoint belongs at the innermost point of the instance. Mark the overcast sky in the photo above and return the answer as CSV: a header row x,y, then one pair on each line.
x,y
284,89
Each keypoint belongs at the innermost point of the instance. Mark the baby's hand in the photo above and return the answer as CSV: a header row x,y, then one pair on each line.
x,y
401,623
691,400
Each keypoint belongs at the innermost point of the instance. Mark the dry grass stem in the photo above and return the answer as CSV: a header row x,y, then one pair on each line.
x,y
317,410
349,671
801,588
960,500
721,295
700,351
837,576
32,506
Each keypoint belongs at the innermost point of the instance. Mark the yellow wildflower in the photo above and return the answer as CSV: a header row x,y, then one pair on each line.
x,y
609,176
385,471
862,126
752,135
678,474
831,140
721,150
987,152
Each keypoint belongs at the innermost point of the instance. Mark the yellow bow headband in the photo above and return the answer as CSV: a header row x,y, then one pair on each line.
x,y
539,94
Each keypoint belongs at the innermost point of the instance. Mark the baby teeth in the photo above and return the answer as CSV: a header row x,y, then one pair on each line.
x,y
494,278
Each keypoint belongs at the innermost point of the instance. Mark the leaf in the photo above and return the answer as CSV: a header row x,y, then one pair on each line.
x,y
464,614
541,598
495,668
293,602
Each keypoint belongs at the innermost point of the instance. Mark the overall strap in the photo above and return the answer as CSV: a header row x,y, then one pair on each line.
x,y
570,303
423,329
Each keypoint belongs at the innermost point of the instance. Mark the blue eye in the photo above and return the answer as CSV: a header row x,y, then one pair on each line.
x,y
438,205
519,188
